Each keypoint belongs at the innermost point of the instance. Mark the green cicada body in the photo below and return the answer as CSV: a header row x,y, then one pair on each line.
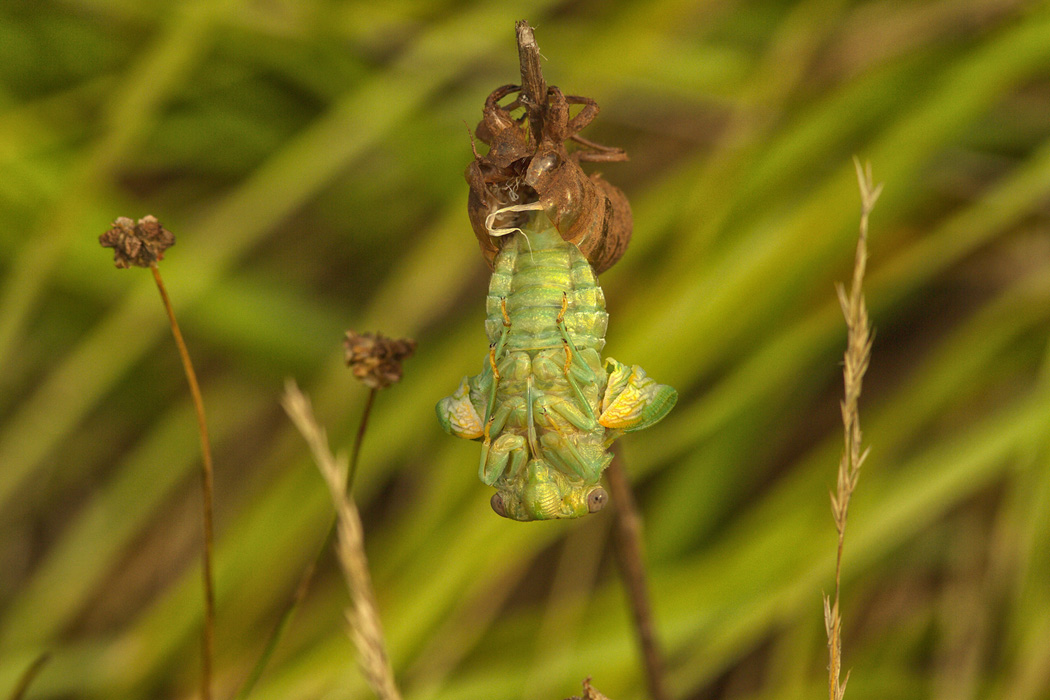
x,y
545,406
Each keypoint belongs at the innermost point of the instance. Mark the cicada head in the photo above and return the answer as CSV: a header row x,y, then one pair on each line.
x,y
506,136
546,494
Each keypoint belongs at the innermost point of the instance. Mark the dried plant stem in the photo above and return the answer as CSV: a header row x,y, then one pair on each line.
x,y
857,355
207,489
628,540
363,617
308,573
533,87
359,438
26,679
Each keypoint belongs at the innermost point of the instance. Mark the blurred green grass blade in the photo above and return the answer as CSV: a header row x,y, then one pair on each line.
x,y
30,673
1027,619
120,510
888,510
128,116
947,378
731,293
779,362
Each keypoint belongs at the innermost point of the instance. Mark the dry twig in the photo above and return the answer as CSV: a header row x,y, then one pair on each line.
x,y
858,353
632,567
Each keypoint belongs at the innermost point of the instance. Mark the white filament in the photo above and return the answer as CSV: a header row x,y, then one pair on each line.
x,y
490,221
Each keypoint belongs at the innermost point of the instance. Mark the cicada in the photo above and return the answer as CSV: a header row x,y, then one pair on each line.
x,y
546,407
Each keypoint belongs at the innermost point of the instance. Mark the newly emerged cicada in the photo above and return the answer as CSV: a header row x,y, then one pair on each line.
x,y
545,406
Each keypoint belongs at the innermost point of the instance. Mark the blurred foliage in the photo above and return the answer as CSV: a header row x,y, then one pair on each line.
x,y
309,155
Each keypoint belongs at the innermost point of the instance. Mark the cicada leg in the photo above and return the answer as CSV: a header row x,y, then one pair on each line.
x,y
457,415
508,450
632,399
574,361
493,451
495,354
586,461
583,420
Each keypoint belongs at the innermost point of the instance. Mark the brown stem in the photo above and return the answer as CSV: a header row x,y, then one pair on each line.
x,y
207,488
359,438
632,568
533,87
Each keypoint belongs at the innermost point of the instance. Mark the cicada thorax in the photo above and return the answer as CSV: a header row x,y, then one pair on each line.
x,y
520,168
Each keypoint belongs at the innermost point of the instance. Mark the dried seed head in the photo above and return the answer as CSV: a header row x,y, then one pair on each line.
x,y
141,244
375,359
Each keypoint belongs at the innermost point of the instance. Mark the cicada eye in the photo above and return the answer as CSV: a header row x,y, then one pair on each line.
x,y
596,499
497,505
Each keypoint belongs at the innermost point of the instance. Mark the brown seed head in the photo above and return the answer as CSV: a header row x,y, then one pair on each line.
x,y
375,359
141,244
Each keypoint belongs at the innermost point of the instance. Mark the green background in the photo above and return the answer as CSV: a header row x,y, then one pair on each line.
x,y
308,155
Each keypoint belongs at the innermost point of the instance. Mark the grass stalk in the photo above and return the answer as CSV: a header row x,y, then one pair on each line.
x,y
857,356
207,493
363,617
359,438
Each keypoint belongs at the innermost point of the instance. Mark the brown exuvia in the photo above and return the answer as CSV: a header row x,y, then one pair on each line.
x,y
522,167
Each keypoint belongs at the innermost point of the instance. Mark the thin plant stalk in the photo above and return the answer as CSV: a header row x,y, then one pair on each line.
x,y
278,631
363,617
27,677
857,355
359,438
628,541
306,579
207,491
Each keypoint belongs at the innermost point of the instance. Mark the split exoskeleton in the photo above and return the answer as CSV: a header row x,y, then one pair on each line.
x,y
587,211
